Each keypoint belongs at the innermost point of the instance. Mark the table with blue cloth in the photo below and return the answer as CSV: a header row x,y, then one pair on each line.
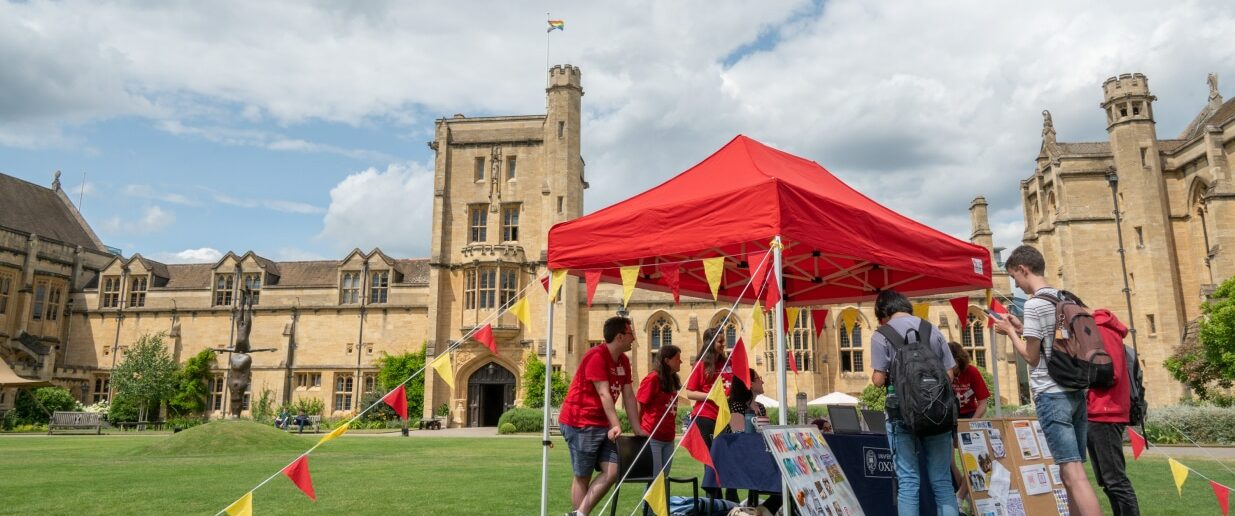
x,y
744,462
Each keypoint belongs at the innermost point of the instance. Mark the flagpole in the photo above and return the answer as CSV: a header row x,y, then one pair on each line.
x,y
546,70
545,442
778,325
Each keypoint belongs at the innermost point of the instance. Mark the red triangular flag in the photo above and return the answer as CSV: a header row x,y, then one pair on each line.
x,y
669,276
961,305
1138,443
544,282
739,363
793,364
759,267
485,336
1223,493
998,308
771,295
592,278
693,442
298,471
397,399
820,318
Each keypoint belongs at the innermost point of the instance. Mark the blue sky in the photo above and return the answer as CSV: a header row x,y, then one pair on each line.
x,y
298,130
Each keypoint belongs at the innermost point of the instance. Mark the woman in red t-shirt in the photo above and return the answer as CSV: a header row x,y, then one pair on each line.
x,y
710,366
658,405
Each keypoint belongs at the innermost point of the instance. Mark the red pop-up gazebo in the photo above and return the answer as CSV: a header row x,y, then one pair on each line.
x,y
837,245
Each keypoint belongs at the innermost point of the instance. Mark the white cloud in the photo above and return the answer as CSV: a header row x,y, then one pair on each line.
x,y
152,220
270,204
390,209
199,255
265,140
148,192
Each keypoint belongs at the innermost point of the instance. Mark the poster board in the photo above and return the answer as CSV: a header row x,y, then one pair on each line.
x,y
1009,455
816,482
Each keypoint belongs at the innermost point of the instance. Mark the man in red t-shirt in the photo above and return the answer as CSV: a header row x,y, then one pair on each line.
x,y
589,420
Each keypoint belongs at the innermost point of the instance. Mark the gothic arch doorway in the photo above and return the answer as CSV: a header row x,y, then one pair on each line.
x,y
490,392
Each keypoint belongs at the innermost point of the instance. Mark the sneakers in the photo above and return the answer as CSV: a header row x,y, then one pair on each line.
x,y
574,513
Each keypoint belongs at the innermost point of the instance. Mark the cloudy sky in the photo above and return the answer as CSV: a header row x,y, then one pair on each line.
x,y
297,129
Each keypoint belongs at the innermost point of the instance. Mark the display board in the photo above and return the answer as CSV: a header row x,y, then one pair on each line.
x,y
817,484
1009,468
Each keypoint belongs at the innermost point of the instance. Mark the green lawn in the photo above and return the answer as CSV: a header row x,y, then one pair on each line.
x,y
367,475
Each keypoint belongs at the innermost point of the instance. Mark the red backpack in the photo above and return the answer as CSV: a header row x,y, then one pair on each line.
x,y
1078,357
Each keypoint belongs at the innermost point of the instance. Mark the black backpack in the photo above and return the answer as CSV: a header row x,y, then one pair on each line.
x,y
1078,356
923,391
1139,407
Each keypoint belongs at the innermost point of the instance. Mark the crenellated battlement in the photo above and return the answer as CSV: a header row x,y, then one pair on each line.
x,y
1125,85
565,75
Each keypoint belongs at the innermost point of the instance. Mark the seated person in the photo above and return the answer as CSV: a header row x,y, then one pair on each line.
x,y
281,421
748,415
301,420
823,424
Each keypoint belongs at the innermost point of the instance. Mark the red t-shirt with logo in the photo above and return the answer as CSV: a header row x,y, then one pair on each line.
x,y
970,387
653,402
701,381
582,405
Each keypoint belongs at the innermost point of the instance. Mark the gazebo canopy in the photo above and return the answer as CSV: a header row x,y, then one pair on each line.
x,y
839,245
8,378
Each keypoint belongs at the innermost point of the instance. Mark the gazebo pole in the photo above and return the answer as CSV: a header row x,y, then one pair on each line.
x,y
995,371
778,328
545,443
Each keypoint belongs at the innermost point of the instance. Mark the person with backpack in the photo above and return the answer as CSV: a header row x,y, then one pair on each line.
x,y
911,358
1063,361
1109,410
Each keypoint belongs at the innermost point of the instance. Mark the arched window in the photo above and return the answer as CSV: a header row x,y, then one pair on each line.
x,y
799,341
851,348
972,339
660,332
731,328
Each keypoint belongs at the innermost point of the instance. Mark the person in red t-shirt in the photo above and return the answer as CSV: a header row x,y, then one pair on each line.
x,y
589,420
1109,410
710,366
658,405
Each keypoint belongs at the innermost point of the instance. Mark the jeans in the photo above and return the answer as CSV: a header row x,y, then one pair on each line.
x,y
1064,419
938,451
661,450
1106,448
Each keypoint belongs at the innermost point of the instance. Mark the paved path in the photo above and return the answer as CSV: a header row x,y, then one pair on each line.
x,y
448,432
1224,454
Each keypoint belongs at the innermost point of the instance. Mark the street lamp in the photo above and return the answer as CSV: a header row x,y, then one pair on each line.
x,y
1113,179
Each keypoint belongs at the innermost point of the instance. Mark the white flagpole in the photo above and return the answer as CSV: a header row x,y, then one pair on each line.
x,y
545,443
778,326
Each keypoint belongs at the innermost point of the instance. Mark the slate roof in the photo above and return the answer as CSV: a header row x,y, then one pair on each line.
x,y
1209,116
315,273
27,207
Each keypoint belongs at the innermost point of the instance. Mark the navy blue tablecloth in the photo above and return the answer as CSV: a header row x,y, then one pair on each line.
x,y
743,462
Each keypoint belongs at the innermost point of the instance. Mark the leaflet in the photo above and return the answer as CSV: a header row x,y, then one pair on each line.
x,y
1035,479
1026,439
1046,449
976,458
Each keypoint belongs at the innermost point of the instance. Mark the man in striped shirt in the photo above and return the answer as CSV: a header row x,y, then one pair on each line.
x,y
1061,412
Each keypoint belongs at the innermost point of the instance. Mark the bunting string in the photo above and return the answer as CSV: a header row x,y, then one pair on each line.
x,y
1180,471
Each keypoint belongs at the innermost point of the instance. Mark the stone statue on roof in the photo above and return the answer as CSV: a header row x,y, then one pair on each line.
x,y
1048,127
1213,87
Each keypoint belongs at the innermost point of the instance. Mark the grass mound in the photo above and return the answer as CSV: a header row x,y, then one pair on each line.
x,y
227,437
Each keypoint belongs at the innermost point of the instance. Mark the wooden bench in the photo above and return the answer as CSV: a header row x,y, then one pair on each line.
x,y
314,421
75,421
433,423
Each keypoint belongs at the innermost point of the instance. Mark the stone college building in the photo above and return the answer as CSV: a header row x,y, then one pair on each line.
x,y
70,308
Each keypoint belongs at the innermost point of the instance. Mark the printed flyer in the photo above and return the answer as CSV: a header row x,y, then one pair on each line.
x,y
1046,450
996,443
1026,439
816,483
1034,478
977,459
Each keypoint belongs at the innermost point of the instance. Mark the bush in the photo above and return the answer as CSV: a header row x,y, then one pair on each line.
x,y
534,384
393,370
523,419
506,428
381,412
35,406
310,407
1205,424
185,422
874,397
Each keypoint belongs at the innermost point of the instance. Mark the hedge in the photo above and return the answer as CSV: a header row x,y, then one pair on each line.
x,y
1205,424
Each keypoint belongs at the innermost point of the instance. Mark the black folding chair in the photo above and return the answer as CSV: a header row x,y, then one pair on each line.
x,y
641,470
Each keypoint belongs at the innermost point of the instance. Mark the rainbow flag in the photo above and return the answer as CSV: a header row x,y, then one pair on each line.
x,y
556,25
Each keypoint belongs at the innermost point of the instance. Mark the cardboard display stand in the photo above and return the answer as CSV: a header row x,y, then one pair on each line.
x,y
816,482
1009,468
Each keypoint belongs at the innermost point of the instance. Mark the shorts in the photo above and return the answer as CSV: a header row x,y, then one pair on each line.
x,y
589,447
1065,420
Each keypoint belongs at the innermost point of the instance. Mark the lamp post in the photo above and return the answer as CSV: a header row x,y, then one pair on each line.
x,y
1113,179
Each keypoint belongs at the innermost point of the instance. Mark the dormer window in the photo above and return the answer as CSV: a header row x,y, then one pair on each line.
x,y
110,295
137,291
379,286
349,288
253,282
6,284
224,284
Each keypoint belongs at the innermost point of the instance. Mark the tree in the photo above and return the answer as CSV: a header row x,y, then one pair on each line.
x,y
394,369
34,406
147,375
193,385
534,384
1209,360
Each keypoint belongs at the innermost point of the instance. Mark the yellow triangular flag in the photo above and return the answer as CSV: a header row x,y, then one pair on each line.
x,y
717,395
555,282
1180,472
922,310
757,333
847,318
340,430
441,364
656,497
522,311
714,268
241,507
629,276
792,314
990,296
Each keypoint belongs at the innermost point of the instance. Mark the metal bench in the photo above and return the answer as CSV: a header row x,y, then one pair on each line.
x,y
432,423
75,421
314,421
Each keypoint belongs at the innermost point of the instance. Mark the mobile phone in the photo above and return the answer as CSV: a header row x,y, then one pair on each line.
x,y
993,314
